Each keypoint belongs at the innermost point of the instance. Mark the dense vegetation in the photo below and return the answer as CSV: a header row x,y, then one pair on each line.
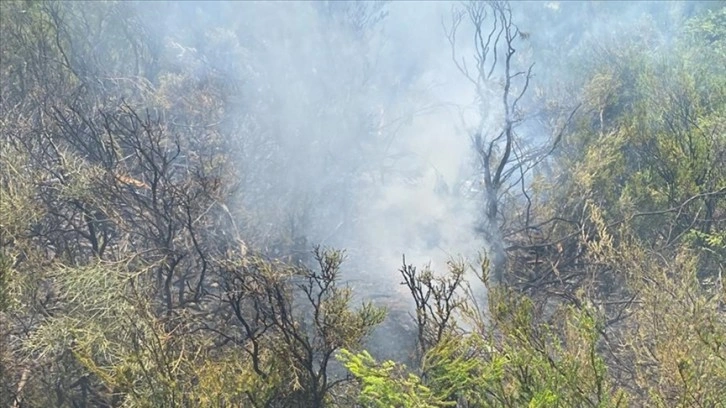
x,y
135,269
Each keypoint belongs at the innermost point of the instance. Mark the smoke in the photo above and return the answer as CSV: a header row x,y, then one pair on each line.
x,y
351,123
346,124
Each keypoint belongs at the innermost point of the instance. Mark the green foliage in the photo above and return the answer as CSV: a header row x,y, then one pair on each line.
x,y
675,323
529,366
710,29
387,384
652,147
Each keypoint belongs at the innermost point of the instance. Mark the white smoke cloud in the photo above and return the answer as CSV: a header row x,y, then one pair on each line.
x,y
364,127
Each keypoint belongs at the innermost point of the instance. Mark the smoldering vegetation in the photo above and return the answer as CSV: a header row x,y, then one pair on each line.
x,y
194,168
344,120
353,126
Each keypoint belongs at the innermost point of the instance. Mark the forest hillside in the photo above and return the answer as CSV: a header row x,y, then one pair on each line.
x,y
362,204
